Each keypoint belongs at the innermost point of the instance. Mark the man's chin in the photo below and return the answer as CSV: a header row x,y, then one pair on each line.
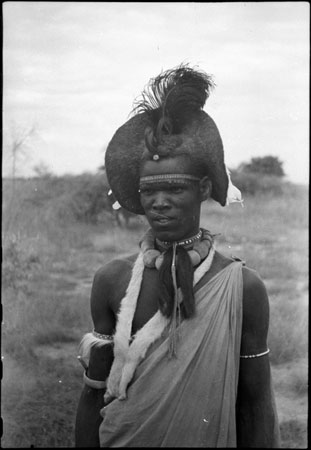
x,y
166,235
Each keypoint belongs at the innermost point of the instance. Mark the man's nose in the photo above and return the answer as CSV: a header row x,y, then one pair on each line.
x,y
160,201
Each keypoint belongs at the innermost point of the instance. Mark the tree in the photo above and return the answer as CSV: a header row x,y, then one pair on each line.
x,y
266,165
42,170
17,148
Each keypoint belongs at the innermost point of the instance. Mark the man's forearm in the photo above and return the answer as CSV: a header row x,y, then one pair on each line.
x,y
91,401
256,426
88,417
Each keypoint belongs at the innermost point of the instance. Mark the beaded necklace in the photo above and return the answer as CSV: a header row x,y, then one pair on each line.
x,y
198,247
185,242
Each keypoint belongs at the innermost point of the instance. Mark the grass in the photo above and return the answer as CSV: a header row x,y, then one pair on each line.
x,y
270,234
48,266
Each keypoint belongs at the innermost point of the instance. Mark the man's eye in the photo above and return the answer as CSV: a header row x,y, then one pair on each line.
x,y
146,191
177,190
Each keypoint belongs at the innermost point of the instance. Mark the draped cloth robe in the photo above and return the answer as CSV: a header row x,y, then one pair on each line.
x,y
188,400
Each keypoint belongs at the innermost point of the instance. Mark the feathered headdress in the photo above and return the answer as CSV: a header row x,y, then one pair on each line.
x,y
170,100
167,120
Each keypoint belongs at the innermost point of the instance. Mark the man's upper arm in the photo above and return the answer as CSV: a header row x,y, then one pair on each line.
x,y
101,293
254,379
255,314
255,409
109,287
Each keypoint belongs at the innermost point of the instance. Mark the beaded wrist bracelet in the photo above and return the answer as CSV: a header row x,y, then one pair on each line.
x,y
255,356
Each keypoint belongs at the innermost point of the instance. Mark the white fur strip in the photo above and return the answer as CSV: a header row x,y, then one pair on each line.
x,y
128,307
114,379
128,357
87,342
124,327
143,339
204,266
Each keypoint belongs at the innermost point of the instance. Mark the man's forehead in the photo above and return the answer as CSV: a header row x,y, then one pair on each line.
x,y
177,165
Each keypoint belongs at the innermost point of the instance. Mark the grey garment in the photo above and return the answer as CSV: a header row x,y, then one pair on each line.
x,y
188,401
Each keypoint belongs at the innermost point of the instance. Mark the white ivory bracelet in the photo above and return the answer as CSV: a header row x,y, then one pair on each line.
x,y
95,384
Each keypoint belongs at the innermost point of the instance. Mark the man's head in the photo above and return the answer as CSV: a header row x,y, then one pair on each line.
x,y
171,192
169,123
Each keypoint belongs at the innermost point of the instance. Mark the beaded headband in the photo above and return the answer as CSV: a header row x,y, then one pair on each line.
x,y
170,177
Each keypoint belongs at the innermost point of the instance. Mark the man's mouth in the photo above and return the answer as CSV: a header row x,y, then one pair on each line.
x,y
160,218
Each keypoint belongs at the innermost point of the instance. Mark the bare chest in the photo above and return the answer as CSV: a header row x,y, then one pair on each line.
x,y
148,298
147,302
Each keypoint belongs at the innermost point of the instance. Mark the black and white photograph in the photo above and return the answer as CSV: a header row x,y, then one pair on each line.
x,y
155,204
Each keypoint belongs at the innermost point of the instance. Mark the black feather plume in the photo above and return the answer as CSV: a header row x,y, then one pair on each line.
x,y
171,98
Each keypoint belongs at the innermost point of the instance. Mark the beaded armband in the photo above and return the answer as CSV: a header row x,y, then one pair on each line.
x,y
104,337
256,355
91,339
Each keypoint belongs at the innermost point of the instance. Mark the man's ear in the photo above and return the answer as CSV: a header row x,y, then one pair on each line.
x,y
205,188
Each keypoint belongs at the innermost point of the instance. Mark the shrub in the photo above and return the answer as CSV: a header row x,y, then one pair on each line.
x,y
256,183
19,261
89,198
67,198
266,165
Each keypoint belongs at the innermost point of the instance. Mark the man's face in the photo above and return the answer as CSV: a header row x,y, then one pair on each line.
x,y
172,209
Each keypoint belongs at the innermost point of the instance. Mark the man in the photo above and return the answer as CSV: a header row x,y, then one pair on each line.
x,y
178,356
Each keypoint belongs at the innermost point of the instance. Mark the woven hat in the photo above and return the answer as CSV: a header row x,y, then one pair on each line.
x,y
167,122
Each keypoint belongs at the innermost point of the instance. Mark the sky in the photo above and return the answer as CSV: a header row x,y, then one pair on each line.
x,y
72,70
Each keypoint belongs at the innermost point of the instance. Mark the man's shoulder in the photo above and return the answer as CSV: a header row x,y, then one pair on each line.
x,y
114,268
254,289
255,302
251,278
110,283
252,281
